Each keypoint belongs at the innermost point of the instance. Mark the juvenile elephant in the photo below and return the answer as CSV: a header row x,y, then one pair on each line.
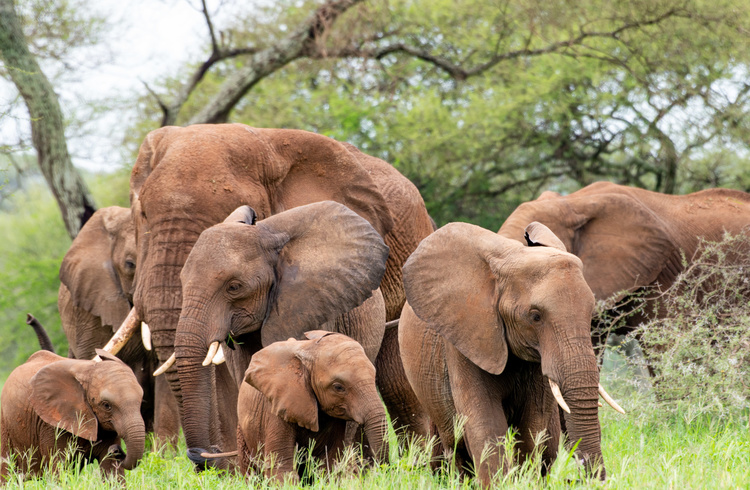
x,y
95,296
629,238
51,401
247,284
497,332
186,180
302,391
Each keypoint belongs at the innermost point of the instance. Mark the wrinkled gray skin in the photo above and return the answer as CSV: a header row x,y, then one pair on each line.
x,y
94,404
297,392
487,322
95,296
247,285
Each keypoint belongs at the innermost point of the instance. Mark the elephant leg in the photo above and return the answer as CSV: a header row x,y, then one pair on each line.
x,y
479,401
538,413
402,403
279,444
166,413
422,357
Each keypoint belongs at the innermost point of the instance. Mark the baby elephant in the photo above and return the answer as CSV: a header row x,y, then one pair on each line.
x,y
50,403
297,392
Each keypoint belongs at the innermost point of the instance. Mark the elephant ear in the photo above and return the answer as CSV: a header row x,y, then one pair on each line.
x,y
87,270
282,377
329,261
538,235
243,214
59,398
451,285
622,243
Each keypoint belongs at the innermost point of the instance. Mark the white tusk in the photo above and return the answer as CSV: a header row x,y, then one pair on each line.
x,y
122,335
599,404
609,400
146,336
219,357
166,365
212,349
558,395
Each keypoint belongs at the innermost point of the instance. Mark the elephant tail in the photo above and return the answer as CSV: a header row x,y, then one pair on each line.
x,y
44,341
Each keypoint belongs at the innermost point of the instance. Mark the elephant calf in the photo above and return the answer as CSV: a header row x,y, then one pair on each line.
x,y
51,402
298,392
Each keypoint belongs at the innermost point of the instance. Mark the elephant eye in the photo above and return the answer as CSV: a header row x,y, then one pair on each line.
x,y
233,287
339,388
536,316
106,406
130,264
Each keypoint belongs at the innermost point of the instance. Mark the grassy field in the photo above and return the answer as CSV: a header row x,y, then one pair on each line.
x,y
651,447
654,446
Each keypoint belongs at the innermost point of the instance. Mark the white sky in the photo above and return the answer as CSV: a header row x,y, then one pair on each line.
x,y
149,39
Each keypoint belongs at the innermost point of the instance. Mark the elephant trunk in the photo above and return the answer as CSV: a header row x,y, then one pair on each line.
x,y
375,428
197,391
579,385
134,435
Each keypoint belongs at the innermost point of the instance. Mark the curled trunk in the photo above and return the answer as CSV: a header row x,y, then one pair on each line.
x,y
375,429
134,436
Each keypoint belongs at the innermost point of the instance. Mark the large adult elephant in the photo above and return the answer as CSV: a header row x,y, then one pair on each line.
x,y
95,297
630,238
188,179
497,332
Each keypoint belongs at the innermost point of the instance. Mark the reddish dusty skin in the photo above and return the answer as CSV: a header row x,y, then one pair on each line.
x,y
99,402
628,238
299,391
500,319
188,179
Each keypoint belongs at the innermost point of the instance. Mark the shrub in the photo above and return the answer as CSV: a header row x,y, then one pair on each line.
x,y
696,338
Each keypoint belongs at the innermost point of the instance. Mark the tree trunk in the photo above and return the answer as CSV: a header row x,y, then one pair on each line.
x,y
47,128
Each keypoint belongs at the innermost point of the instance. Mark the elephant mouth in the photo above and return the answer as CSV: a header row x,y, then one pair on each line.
x,y
115,452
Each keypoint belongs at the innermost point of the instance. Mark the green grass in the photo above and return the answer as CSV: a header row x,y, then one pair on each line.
x,y
643,449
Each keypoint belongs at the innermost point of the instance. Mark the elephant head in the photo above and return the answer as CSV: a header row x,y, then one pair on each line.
x,y
330,372
492,298
99,267
282,276
88,397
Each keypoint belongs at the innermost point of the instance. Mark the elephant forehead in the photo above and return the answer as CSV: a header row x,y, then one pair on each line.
x,y
115,381
344,353
549,258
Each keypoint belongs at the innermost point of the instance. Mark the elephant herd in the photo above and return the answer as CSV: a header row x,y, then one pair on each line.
x,y
285,283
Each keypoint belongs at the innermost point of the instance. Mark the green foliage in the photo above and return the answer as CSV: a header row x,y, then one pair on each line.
x,y
33,245
661,104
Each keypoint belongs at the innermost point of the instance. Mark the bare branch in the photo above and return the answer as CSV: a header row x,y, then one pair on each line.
x,y
162,105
